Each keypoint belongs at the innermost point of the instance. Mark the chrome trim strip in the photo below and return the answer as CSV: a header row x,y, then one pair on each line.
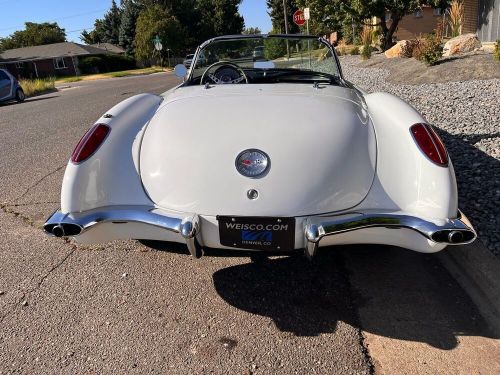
x,y
315,228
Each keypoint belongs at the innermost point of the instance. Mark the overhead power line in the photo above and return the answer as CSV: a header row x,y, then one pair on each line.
x,y
58,19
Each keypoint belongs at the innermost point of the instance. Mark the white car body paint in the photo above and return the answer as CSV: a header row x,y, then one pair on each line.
x,y
334,150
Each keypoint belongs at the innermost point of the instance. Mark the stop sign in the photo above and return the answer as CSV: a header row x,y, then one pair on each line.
x,y
298,18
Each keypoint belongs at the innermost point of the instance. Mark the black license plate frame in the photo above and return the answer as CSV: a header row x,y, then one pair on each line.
x,y
257,233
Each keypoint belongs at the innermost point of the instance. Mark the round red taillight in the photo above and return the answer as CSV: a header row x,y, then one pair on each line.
x,y
430,144
90,142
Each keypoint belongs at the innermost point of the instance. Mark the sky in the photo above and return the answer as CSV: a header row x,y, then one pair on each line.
x,y
75,16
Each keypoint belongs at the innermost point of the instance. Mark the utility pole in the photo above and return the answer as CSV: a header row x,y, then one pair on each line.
x,y
286,28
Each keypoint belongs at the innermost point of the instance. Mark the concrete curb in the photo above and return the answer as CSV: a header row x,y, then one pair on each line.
x,y
477,270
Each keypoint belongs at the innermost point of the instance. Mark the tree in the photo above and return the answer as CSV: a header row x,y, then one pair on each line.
x,y
34,34
155,21
362,10
111,24
325,16
251,31
277,16
107,29
130,13
97,35
219,17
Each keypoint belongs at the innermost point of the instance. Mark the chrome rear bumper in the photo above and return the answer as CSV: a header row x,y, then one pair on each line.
x,y
457,231
70,225
188,226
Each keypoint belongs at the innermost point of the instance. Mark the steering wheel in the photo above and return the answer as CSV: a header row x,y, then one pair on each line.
x,y
226,73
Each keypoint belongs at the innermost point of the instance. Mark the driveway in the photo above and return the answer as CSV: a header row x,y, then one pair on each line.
x,y
127,307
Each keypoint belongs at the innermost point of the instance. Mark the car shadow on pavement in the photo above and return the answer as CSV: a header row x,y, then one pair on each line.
x,y
28,100
386,291
478,176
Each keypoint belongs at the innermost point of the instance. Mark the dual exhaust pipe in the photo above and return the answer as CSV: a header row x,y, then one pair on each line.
x,y
63,229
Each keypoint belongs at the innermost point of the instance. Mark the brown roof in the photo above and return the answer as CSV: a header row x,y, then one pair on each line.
x,y
49,51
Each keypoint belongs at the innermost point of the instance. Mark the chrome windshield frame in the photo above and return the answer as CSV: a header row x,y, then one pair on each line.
x,y
265,36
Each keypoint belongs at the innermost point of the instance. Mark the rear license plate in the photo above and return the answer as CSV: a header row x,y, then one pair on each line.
x,y
261,233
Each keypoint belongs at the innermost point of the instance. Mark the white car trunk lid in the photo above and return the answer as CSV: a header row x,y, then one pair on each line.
x,y
320,143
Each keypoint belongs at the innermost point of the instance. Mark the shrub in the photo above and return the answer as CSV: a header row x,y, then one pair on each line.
x,y
105,63
342,48
355,50
274,48
36,86
496,52
366,52
456,16
431,50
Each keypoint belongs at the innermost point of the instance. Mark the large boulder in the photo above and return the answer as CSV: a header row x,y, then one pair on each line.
x,y
460,44
403,48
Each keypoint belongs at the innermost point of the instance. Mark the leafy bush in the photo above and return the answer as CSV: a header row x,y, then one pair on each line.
x,y
496,52
105,63
274,48
366,52
431,50
355,50
36,86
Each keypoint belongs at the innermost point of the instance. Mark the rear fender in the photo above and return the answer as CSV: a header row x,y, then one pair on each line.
x,y
405,175
111,175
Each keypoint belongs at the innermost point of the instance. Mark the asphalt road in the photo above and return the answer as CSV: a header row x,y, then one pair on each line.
x,y
127,307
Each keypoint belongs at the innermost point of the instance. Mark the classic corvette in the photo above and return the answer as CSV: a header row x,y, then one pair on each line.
x,y
274,154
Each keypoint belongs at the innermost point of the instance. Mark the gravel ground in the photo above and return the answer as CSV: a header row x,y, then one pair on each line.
x,y
468,119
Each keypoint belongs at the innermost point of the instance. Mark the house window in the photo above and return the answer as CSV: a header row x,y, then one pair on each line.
x,y
436,11
59,63
418,13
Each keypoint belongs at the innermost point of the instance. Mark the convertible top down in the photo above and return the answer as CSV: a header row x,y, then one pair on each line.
x,y
273,151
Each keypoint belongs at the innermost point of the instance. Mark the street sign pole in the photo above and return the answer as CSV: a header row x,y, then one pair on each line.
x,y
158,47
307,15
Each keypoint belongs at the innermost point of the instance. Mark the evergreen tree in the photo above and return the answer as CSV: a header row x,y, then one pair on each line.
x,y
251,31
277,16
130,13
219,17
111,24
97,35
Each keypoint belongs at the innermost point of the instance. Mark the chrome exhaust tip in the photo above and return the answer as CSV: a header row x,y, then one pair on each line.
x,y
453,236
58,231
62,229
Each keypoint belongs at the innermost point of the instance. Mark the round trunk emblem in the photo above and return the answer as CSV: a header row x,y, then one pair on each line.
x,y
253,163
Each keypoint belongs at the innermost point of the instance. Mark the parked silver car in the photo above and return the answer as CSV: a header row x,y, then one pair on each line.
x,y
10,89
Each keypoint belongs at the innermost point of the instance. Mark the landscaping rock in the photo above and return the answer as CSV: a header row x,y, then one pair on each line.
x,y
403,48
461,43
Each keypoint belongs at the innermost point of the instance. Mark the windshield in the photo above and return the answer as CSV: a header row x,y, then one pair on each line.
x,y
265,59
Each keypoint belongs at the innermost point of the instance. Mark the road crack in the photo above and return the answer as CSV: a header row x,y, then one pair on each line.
x,y
354,303
38,182
39,283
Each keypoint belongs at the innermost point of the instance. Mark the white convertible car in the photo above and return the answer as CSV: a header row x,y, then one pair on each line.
x,y
277,154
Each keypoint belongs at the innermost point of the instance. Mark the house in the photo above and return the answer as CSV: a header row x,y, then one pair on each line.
x,y
109,47
50,60
481,17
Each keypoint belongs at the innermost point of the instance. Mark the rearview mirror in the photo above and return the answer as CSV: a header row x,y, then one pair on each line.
x,y
180,70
